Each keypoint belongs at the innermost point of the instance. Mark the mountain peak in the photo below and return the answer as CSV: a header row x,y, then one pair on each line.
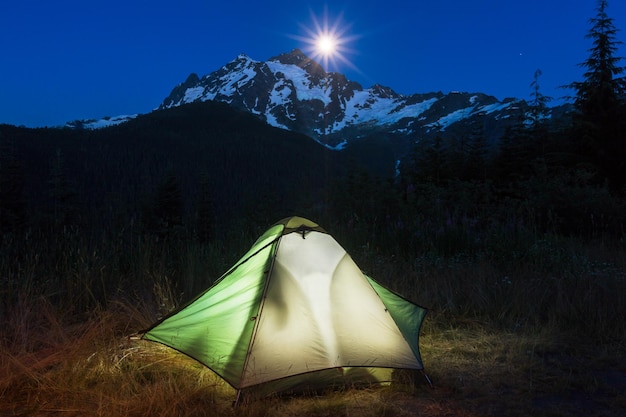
x,y
294,92
295,57
243,58
298,58
383,91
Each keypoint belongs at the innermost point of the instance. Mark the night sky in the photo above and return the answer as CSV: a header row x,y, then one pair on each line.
x,y
65,60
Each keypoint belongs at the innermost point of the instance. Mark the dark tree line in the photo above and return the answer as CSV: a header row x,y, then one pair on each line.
x,y
570,171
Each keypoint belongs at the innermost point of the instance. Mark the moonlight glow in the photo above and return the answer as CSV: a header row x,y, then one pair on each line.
x,y
327,43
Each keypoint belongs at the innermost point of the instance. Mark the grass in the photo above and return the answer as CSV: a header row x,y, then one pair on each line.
x,y
94,368
539,332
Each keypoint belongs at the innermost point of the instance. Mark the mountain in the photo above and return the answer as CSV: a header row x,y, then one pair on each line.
x,y
109,175
293,92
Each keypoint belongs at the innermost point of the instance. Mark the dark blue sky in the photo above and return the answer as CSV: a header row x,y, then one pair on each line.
x,y
64,60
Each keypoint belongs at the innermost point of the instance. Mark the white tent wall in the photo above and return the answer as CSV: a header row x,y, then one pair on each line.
x,y
321,312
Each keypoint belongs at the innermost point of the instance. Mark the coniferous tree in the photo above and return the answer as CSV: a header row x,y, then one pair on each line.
x,y
538,103
536,125
600,101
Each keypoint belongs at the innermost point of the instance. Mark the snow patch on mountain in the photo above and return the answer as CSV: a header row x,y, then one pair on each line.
x,y
491,108
100,123
195,93
367,108
451,118
305,88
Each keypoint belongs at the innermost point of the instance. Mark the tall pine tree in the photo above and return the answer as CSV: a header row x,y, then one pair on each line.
x,y
538,103
600,101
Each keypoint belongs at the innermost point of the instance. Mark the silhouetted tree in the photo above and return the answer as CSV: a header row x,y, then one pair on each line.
x,y
600,101
538,103
537,125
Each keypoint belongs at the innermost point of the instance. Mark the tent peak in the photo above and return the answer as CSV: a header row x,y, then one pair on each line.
x,y
299,224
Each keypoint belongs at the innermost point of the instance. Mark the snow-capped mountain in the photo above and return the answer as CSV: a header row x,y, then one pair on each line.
x,y
293,92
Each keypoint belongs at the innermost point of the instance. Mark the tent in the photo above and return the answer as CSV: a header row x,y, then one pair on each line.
x,y
294,313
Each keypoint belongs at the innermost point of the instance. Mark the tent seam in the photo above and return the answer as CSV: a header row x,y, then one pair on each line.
x,y
257,318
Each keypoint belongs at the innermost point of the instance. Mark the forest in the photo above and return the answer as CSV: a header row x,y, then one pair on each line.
x,y
526,235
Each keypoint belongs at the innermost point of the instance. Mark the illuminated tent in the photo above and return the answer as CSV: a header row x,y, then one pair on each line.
x,y
296,312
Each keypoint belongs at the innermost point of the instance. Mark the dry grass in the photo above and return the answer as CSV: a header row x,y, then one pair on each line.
x,y
535,330
58,366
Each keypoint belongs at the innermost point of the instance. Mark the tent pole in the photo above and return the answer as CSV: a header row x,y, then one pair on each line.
x,y
236,402
257,317
427,378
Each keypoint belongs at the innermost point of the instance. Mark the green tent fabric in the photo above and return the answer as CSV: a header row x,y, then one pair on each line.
x,y
296,312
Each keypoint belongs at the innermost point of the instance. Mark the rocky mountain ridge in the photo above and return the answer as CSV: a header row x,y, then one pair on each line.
x,y
294,92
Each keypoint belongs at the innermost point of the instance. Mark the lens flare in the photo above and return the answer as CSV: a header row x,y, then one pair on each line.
x,y
326,45
328,42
